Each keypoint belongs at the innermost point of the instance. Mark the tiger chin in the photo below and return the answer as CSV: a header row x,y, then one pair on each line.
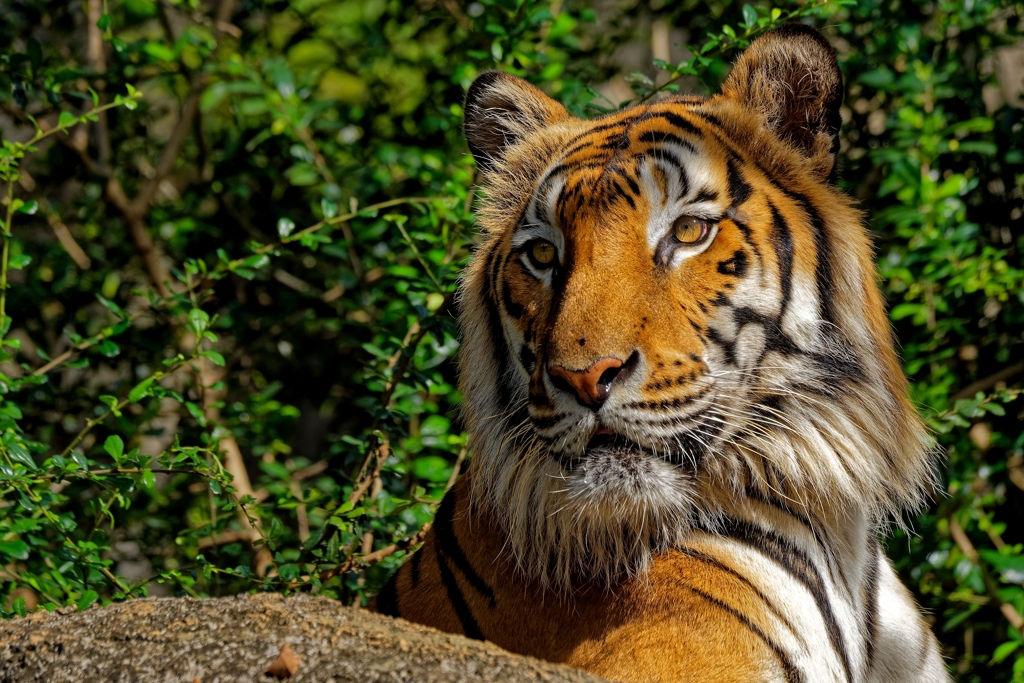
x,y
688,420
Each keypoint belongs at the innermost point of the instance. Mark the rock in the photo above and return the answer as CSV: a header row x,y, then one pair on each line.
x,y
224,640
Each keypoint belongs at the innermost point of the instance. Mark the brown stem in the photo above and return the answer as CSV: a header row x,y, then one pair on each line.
x,y
158,274
67,241
98,61
967,548
321,163
455,468
376,556
986,383
363,483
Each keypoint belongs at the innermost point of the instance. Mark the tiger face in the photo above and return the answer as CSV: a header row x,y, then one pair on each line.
x,y
674,308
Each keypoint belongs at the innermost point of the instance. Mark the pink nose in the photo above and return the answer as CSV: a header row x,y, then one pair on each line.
x,y
591,386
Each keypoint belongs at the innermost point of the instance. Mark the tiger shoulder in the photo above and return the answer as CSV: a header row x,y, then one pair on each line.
x,y
688,419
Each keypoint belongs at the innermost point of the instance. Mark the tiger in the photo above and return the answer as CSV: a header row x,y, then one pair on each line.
x,y
688,419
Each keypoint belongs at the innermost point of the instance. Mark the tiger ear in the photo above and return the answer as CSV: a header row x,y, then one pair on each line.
x,y
790,77
500,110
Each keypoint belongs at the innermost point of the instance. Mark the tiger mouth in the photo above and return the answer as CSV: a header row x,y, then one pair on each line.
x,y
608,446
615,445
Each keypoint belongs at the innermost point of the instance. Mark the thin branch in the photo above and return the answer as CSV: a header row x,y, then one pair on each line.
x,y
967,548
455,468
987,383
382,452
67,241
321,163
98,62
376,556
337,220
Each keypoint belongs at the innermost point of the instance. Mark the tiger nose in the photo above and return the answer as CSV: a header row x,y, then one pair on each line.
x,y
592,386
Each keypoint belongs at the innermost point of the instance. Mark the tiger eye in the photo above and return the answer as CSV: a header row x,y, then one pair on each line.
x,y
689,230
542,252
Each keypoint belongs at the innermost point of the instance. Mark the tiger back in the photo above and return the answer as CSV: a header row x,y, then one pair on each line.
x,y
687,415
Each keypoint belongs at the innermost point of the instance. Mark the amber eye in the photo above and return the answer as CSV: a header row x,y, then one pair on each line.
x,y
690,230
542,253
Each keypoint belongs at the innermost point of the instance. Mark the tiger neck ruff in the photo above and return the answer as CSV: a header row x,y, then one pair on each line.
x,y
687,416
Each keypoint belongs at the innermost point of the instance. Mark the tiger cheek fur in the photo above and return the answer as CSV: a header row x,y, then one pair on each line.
x,y
687,416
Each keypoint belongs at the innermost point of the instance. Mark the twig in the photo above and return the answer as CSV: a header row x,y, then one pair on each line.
x,y
382,451
226,537
98,62
89,474
376,556
135,210
337,220
455,468
67,241
401,359
967,548
988,382
325,171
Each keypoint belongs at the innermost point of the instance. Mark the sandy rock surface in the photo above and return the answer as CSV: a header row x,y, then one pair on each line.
x,y
183,640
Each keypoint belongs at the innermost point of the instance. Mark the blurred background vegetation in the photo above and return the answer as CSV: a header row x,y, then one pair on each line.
x,y
232,230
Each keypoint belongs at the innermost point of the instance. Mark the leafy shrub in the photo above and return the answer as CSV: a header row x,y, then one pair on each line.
x,y
232,236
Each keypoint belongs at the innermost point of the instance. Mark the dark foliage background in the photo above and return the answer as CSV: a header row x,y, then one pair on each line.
x,y
232,229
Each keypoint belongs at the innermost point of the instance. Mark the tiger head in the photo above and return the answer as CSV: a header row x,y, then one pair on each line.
x,y
674,307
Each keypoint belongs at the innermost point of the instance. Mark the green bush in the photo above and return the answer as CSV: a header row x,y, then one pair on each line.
x,y
232,234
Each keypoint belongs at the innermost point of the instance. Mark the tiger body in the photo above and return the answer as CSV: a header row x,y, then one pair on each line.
x,y
687,415
711,609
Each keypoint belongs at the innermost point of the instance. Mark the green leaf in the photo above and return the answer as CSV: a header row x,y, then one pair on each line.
x,y
20,261
432,468
749,16
329,208
18,453
109,348
214,357
905,310
87,599
29,208
285,226
198,320
140,389
66,119
103,23
14,549
114,447
1005,650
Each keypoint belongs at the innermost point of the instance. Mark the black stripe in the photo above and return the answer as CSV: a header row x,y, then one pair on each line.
x,y
414,566
677,121
512,307
497,333
621,191
710,118
469,626
789,669
632,184
823,268
782,237
705,195
796,562
871,603
444,532
811,525
387,598
739,190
